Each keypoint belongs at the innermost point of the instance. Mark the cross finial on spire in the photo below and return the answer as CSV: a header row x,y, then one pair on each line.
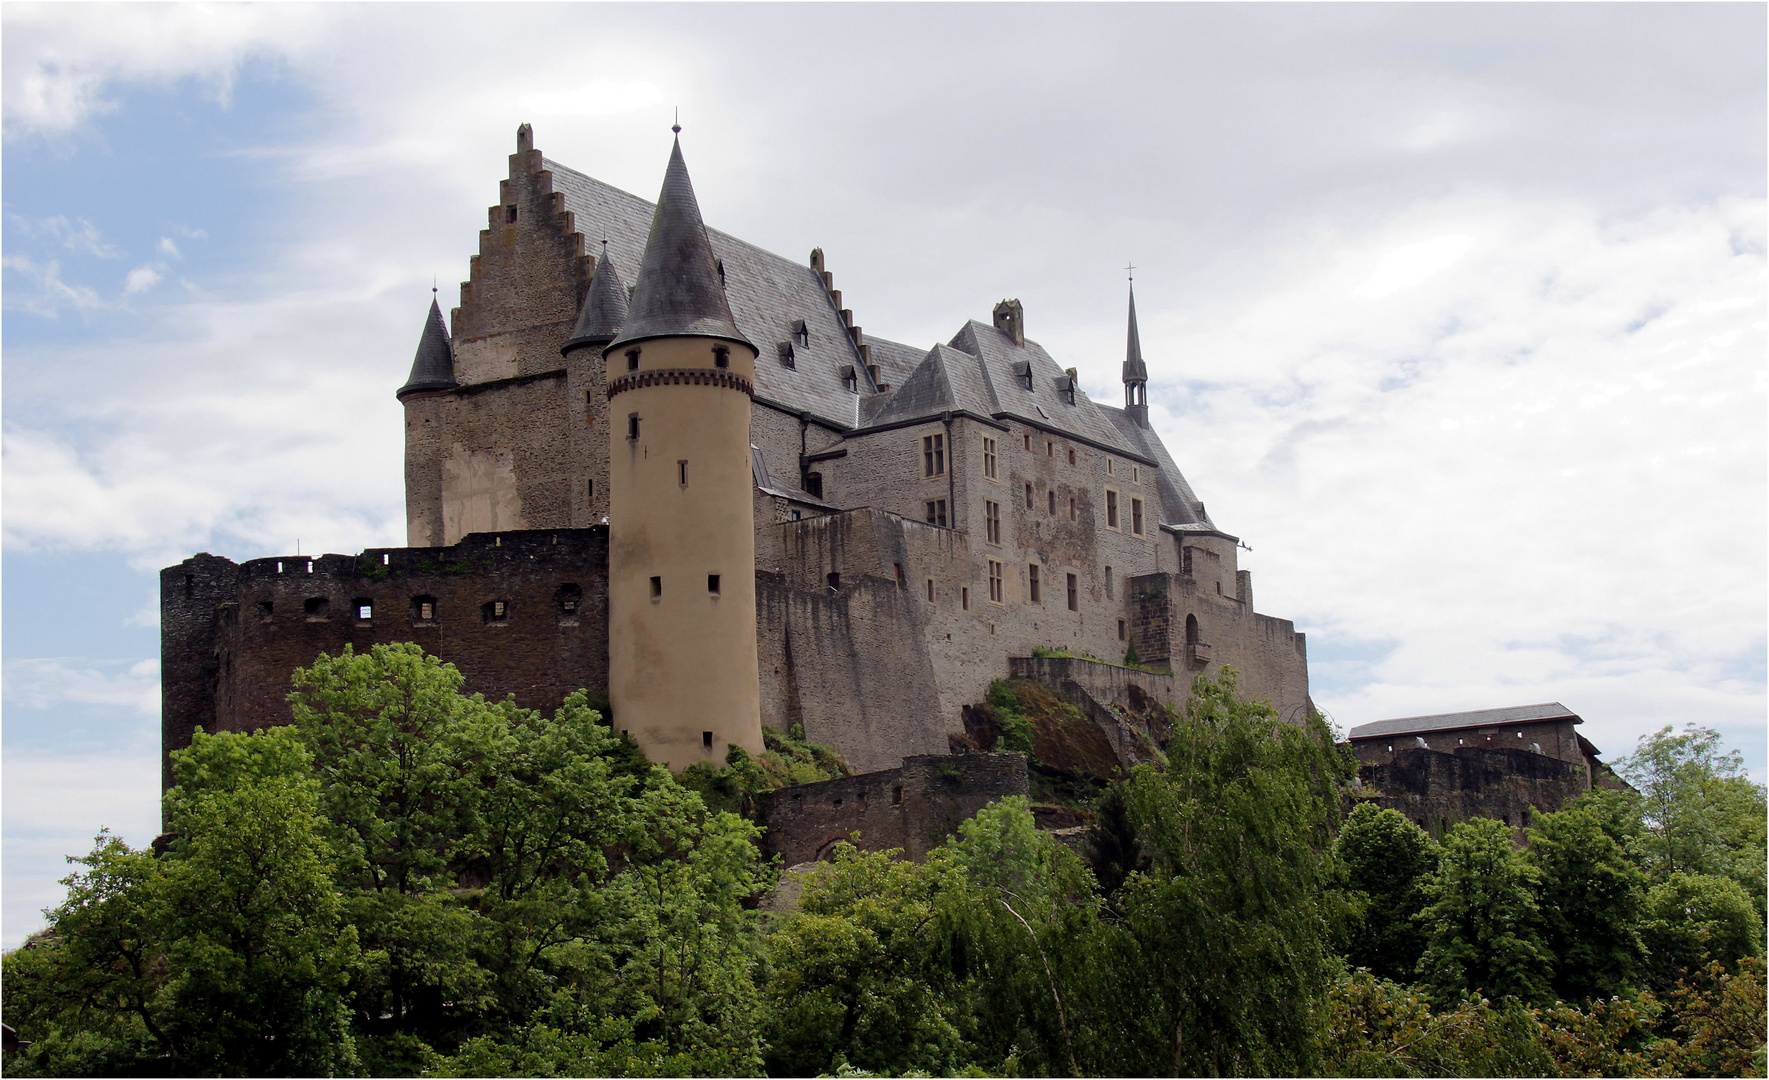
x,y
677,126
1130,270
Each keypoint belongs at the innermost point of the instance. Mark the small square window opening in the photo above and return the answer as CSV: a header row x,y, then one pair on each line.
x,y
656,588
712,584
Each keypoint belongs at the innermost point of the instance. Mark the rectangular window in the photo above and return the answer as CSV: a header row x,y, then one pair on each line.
x,y
1074,512
706,740
1135,473
994,582
1111,466
1050,498
1028,438
1071,453
712,584
1049,449
1121,629
930,590
933,455
936,512
682,473
992,521
1074,593
1111,509
632,359
590,489
1029,503
1136,516
632,425
989,458
1034,589
656,588
964,597
1108,583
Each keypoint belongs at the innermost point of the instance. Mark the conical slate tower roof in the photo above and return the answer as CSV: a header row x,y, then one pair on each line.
x,y
605,308
434,367
1134,369
679,291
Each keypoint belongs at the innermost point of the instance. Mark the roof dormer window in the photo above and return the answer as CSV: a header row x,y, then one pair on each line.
x,y
787,359
850,379
1022,370
800,332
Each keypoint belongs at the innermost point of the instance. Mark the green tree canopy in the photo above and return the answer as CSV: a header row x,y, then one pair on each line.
x,y
1483,922
1388,859
1589,895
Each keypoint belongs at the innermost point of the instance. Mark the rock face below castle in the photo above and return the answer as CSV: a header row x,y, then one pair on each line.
x,y
921,515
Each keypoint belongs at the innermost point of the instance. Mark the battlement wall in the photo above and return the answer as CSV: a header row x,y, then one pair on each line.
x,y
912,807
522,613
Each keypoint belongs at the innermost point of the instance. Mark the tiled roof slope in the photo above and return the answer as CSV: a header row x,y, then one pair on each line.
x,y
996,355
1179,505
1516,714
766,293
894,359
434,366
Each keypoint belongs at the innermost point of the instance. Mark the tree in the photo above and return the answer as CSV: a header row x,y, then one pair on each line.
x,y
1692,920
1702,813
1589,895
1483,922
1212,960
1387,858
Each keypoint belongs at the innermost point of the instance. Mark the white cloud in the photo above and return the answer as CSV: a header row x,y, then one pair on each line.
x,y
54,805
1413,264
61,60
53,681
142,278
603,97
168,248
50,293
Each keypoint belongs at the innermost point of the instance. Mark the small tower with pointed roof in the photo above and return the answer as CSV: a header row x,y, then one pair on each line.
x,y
426,395
682,666
1136,373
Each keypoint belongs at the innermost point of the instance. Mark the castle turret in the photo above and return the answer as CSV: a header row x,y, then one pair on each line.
x,y
682,674
604,312
1136,373
424,396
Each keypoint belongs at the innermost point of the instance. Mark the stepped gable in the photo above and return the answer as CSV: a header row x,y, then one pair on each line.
x,y
434,366
1043,405
766,293
1179,504
605,308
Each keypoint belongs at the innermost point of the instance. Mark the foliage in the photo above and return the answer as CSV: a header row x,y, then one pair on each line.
x,y
1216,955
787,760
1483,921
1692,920
1702,814
1388,859
1589,896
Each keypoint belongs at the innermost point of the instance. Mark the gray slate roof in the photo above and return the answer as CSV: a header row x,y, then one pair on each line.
x,y
434,366
1179,504
1516,714
1134,368
680,289
605,308
766,292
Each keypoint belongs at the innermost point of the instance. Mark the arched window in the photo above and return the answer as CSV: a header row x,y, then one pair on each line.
x,y
1192,637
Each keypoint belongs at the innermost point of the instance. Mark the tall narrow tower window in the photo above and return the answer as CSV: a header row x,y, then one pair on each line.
x,y
1029,503
1074,584
1034,592
656,588
632,359
682,473
1050,499
989,465
632,425
721,356
712,584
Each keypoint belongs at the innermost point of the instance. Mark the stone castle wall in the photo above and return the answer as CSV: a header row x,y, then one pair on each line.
x,y
913,807
1436,789
232,633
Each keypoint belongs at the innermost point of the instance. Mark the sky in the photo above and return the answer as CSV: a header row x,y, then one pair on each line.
x,y
1454,313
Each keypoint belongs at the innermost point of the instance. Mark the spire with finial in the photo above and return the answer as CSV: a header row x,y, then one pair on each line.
x,y
604,311
1136,373
434,366
679,291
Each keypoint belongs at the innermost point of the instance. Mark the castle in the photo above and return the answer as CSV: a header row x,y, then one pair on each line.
x,y
716,498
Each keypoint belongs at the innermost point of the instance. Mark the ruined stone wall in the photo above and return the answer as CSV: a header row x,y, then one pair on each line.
x,y
913,807
233,633
1556,738
1436,789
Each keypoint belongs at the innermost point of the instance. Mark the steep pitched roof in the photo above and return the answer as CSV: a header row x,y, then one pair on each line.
x,y
1134,368
1006,367
434,366
1179,504
766,293
680,290
1479,718
605,307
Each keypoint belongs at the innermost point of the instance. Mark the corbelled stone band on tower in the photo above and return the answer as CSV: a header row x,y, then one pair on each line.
x,y
681,605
